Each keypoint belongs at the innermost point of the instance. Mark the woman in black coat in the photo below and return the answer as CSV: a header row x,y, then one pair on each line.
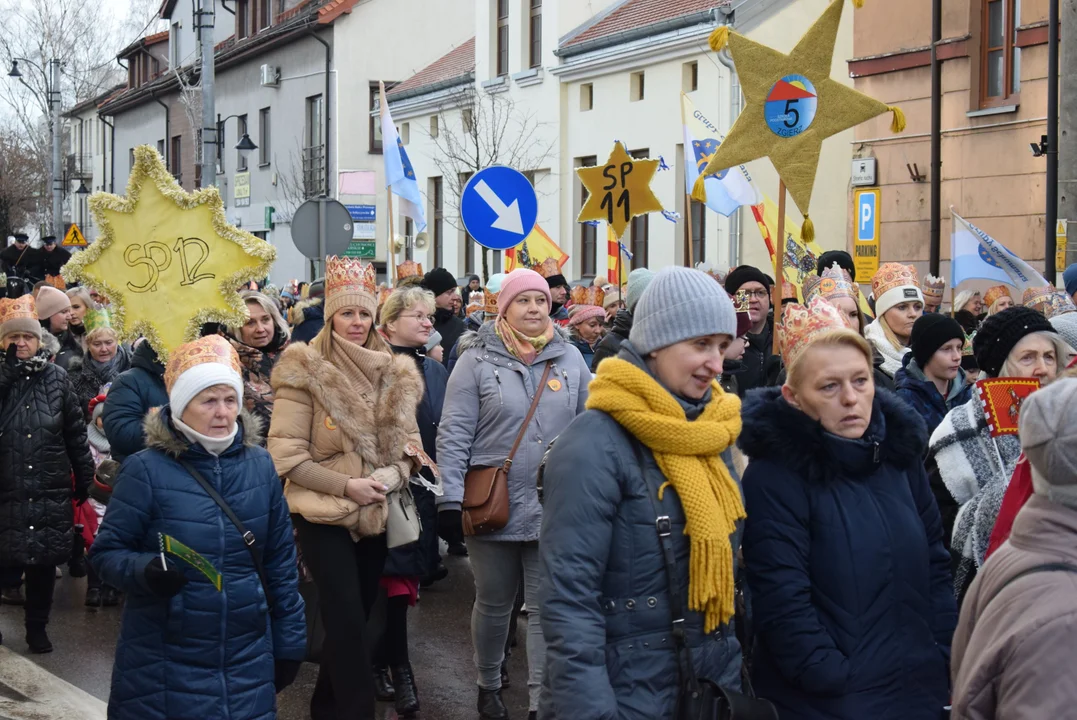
x,y
42,442
848,576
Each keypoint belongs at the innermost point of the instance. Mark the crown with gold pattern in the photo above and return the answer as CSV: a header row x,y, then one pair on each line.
x,y
383,294
408,268
344,274
800,326
836,283
547,268
96,318
893,275
996,292
789,291
208,349
810,287
934,289
21,307
966,349
1059,304
489,305
1038,297
474,301
588,296
56,281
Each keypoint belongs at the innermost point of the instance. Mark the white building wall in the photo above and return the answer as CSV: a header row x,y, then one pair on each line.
x,y
141,125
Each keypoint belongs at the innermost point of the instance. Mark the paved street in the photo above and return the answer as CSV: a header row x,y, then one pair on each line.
x,y
85,640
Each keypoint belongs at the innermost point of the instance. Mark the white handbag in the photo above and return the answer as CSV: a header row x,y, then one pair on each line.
x,y
402,525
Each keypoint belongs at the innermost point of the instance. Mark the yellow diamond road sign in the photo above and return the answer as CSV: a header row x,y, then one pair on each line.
x,y
74,237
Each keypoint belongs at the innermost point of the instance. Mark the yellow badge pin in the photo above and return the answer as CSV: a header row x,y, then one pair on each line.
x,y
554,384
329,424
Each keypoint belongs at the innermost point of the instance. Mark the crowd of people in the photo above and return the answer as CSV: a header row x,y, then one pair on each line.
x,y
804,507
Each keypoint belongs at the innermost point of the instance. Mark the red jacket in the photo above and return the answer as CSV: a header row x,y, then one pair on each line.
x,y
1017,494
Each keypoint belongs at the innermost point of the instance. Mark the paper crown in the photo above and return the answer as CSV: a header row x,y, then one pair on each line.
x,y
474,301
489,304
1059,304
19,308
588,296
56,281
383,295
547,268
713,271
800,326
96,318
408,268
810,287
349,275
208,349
966,349
994,293
1037,297
836,283
893,275
789,291
934,289
741,301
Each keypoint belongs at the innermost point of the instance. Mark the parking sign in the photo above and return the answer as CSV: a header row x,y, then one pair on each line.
x,y
866,246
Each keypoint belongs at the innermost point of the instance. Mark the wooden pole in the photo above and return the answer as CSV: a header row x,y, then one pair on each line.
x,y
779,248
953,310
391,269
688,229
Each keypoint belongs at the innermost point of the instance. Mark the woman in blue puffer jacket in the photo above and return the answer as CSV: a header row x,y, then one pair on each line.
x,y
201,643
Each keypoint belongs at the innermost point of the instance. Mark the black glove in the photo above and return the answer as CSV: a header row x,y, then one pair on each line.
x,y
163,581
284,672
451,526
81,493
10,357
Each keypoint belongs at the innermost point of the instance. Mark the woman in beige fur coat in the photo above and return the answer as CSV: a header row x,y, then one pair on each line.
x,y
343,435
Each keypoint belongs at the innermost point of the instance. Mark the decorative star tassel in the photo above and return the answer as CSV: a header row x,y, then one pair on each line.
x,y
807,231
897,124
720,37
858,4
699,190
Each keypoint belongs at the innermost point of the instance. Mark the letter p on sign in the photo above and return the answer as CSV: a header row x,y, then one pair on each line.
x,y
866,225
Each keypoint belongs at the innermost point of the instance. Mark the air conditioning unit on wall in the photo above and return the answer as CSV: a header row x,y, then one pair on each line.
x,y
270,76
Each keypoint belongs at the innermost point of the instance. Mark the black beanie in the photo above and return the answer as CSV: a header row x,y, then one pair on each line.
x,y
439,280
840,257
556,281
744,274
929,333
1001,332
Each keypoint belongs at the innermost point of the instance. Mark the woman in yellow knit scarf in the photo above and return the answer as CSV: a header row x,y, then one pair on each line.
x,y
656,432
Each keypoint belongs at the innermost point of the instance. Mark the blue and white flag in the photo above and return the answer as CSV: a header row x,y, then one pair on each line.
x,y
978,256
399,174
727,190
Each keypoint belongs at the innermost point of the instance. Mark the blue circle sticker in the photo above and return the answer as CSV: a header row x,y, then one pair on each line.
x,y
791,105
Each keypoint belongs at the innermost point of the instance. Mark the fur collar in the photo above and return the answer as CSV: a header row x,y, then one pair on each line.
x,y
50,343
379,427
486,337
775,430
160,434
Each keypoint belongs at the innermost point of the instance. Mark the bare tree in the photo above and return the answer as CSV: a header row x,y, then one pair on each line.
x,y
191,100
21,183
493,129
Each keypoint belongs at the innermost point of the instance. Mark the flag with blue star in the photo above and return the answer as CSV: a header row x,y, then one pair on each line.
x,y
727,190
399,174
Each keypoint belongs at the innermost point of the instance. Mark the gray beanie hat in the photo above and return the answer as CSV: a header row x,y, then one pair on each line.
x,y
1048,431
638,280
680,304
1066,326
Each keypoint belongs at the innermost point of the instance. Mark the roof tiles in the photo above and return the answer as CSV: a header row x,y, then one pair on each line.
x,y
634,14
457,63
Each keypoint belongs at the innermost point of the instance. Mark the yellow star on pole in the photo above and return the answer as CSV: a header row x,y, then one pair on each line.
x,y
619,190
167,259
792,106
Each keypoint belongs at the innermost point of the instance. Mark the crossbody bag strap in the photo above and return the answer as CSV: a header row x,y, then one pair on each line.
x,y
22,398
1045,567
664,528
248,537
530,414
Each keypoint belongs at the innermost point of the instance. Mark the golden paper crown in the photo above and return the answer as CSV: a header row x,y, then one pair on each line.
x,y
1037,297
547,268
800,326
474,301
56,281
489,305
893,275
208,349
1059,304
96,317
408,268
20,307
810,288
383,295
588,296
836,283
994,293
349,275
934,289
966,349
789,290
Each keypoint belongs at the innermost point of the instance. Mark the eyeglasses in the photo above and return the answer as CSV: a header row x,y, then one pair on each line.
x,y
761,294
419,316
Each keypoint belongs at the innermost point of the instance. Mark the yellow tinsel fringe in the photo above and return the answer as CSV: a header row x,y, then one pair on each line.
x,y
699,190
807,230
897,124
719,38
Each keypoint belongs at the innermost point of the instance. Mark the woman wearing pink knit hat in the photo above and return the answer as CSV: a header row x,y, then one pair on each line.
x,y
585,325
515,361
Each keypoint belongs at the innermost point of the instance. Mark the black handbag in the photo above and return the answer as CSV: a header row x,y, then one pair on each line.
x,y
697,698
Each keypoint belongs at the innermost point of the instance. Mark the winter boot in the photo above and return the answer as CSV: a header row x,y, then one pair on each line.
x,y
491,707
93,597
76,566
407,695
110,596
38,640
383,684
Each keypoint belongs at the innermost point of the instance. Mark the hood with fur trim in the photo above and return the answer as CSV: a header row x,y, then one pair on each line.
x,y
160,434
775,430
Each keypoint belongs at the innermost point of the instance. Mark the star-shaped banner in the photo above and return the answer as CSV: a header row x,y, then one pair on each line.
x,y
619,190
168,260
792,106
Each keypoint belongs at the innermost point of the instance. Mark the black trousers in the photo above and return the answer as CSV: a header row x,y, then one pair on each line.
x,y
40,582
347,575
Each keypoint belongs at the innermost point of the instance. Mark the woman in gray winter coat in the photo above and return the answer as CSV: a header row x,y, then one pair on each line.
x,y
494,381
654,443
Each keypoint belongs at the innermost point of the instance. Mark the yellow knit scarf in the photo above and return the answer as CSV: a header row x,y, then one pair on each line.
x,y
687,453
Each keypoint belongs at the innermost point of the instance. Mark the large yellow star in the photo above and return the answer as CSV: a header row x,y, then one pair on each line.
x,y
619,190
168,260
789,130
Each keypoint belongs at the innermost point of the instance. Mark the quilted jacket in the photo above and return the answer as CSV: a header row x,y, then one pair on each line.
x,y
88,379
203,653
132,395
44,441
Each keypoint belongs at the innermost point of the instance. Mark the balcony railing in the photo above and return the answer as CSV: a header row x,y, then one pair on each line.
x,y
314,171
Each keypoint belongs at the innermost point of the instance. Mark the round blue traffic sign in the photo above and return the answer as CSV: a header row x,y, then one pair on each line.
x,y
791,105
499,207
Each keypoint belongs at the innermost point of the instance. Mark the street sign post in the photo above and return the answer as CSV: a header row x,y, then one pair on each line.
x,y
74,238
499,207
320,227
866,244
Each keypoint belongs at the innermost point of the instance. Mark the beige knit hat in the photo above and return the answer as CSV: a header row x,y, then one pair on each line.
x,y
51,301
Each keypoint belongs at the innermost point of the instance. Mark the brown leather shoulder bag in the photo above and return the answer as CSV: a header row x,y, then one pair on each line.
x,y
486,489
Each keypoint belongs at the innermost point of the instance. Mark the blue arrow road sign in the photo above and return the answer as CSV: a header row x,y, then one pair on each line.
x,y
499,207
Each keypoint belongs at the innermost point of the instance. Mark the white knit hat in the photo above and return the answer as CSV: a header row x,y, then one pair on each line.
x,y
195,366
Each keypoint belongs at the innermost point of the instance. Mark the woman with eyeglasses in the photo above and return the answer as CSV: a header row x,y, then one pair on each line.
x,y
407,321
